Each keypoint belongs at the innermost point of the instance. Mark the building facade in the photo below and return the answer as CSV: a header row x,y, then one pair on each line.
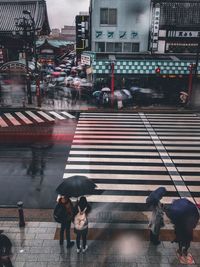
x,y
175,26
119,26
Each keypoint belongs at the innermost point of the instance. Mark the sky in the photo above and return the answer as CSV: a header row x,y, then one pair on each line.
x,y
63,12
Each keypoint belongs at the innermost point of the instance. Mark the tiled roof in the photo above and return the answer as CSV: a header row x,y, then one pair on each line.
x,y
54,43
11,9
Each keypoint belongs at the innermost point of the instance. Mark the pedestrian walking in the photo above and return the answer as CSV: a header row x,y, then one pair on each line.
x,y
183,236
184,214
156,222
5,251
81,211
63,213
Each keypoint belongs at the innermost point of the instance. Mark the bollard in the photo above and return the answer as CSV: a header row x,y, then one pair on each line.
x,y
21,214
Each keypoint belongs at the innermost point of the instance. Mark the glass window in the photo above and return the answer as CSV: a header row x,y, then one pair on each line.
x,y
127,48
109,47
104,16
100,47
112,19
135,47
108,16
118,47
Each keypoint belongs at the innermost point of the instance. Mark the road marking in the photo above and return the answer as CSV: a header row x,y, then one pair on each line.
x,y
108,160
35,117
23,118
115,167
12,119
57,115
132,187
111,141
171,168
46,116
124,176
113,153
121,137
3,123
68,115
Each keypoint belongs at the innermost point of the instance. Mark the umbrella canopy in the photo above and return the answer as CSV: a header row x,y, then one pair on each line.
x,y
55,73
76,186
58,69
156,196
184,211
105,89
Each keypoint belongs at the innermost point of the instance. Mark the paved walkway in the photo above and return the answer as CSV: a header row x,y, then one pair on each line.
x,y
36,245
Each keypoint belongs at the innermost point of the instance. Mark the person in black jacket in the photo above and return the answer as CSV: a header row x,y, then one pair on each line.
x,y
5,250
66,218
81,211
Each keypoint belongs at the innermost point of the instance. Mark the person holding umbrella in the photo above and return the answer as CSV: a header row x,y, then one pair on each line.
x,y
184,215
81,211
156,221
66,215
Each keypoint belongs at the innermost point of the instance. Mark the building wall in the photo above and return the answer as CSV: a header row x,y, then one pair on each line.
x,y
133,19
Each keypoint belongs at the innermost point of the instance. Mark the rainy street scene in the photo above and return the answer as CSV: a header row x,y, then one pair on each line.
x,y
99,133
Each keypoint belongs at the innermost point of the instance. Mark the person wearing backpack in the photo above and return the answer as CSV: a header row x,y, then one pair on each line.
x,y
63,213
5,251
81,211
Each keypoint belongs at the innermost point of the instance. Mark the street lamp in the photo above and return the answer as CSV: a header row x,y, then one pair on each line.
x,y
24,30
37,80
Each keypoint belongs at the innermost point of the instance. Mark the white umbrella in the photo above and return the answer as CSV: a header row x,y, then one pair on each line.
x,y
105,89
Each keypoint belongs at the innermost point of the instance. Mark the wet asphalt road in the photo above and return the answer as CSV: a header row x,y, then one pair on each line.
x,y
32,162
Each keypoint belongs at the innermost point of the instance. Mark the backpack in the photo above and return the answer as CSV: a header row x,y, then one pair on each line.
x,y
58,213
5,245
80,220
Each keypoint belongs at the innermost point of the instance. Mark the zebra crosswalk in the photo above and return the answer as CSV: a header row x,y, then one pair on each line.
x,y
27,117
128,155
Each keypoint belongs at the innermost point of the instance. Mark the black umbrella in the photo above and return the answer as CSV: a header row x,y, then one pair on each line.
x,y
183,211
75,186
156,196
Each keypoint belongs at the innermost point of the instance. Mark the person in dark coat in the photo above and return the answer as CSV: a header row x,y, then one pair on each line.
x,y
5,250
66,219
81,211
183,236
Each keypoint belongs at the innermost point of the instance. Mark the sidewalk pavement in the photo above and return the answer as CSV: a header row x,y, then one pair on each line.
x,y
37,245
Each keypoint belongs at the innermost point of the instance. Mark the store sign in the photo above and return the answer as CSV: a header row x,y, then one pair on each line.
x,y
184,34
155,28
1,56
122,35
85,60
99,34
110,34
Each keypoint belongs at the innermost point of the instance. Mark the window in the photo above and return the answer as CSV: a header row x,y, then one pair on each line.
x,y
127,48
100,47
135,47
108,16
114,47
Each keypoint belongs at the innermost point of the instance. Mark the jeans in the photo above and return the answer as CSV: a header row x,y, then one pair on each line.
x,y
65,227
83,234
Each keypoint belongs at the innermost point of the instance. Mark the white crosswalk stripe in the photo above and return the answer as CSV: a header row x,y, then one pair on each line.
x,y
9,119
12,119
22,117
130,155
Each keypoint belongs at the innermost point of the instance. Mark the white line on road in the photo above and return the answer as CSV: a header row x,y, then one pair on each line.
x,y
12,119
57,115
23,118
46,116
35,117
3,123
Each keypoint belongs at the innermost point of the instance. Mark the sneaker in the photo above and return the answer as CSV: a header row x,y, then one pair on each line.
x,y
84,249
69,245
78,250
